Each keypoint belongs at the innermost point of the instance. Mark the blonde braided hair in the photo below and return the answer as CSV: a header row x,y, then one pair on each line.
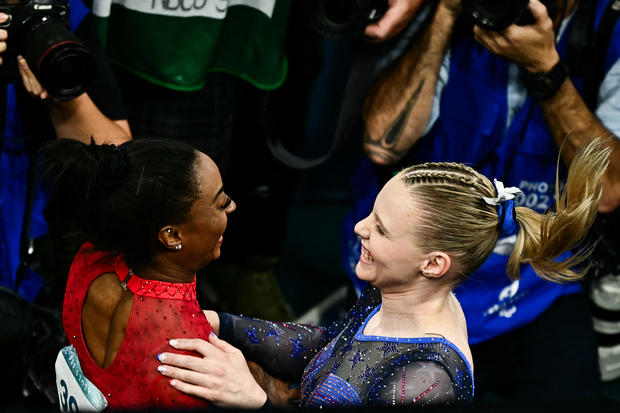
x,y
453,217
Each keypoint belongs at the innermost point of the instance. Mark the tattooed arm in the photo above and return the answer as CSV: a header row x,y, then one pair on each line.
x,y
398,108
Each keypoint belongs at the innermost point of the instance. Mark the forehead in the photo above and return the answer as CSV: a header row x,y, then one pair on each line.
x,y
394,206
209,179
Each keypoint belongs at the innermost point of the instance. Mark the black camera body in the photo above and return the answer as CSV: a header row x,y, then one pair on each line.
x,y
39,31
496,15
344,18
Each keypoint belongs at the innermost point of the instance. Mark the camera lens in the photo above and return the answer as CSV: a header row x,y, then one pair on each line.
x,y
339,12
495,14
66,70
63,65
339,18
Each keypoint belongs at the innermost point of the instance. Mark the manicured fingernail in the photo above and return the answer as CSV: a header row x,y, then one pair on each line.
x,y
213,334
161,369
172,382
173,343
161,357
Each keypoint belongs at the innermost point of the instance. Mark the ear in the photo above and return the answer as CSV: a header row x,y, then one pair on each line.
x,y
169,237
436,265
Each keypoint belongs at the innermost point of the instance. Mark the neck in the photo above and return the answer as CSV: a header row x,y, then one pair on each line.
x,y
413,307
162,269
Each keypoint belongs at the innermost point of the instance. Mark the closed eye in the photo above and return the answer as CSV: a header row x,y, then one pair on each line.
x,y
380,230
227,203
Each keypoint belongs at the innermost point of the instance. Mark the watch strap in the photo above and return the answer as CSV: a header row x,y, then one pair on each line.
x,y
546,85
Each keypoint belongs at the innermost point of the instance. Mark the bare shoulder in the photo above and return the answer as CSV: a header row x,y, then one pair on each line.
x,y
104,292
461,338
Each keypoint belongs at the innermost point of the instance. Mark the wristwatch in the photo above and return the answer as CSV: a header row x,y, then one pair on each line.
x,y
545,85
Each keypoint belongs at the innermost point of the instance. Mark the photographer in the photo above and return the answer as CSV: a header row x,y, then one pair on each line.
x,y
77,118
503,102
30,267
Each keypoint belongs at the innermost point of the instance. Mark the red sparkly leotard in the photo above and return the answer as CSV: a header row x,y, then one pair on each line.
x,y
160,311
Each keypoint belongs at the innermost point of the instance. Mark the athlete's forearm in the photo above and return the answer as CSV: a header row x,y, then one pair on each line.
x,y
573,126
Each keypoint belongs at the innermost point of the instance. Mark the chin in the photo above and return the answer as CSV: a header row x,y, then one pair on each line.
x,y
216,254
361,274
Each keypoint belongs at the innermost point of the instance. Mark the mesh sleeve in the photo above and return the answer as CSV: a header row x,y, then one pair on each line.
x,y
284,349
422,383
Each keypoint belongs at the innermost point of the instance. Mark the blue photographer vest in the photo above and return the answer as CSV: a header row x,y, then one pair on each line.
x,y
14,165
471,129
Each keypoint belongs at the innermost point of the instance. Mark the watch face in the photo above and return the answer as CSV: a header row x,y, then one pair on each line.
x,y
546,85
546,81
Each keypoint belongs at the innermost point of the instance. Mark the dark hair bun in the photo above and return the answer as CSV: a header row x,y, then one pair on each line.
x,y
112,164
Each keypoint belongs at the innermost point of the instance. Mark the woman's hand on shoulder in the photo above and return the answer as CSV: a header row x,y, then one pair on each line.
x,y
221,376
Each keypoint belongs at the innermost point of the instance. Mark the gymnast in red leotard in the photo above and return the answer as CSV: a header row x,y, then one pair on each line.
x,y
154,212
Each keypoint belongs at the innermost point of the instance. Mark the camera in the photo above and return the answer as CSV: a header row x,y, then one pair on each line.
x,y
39,31
344,18
496,15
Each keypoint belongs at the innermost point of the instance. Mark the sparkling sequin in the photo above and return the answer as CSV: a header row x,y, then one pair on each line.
x,y
368,375
425,392
273,333
333,391
252,335
347,347
297,348
358,357
388,347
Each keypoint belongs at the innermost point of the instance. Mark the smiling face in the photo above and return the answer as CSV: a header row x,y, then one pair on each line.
x,y
202,232
390,258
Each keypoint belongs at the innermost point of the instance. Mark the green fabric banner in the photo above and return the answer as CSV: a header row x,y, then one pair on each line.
x,y
175,43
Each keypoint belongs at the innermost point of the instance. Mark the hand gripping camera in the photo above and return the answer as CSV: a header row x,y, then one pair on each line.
x,y
498,14
39,31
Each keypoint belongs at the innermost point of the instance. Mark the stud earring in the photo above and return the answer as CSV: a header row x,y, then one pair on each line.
x,y
178,247
169,230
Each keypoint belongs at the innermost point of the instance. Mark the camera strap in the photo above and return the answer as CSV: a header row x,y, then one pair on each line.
x,y
581,39
281,152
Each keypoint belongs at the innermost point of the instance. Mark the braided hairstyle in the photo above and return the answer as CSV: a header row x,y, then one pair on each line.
x,y
453,216
121,196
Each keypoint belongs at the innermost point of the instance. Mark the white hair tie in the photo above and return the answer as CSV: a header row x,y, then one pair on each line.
x,y
503,194
505,206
